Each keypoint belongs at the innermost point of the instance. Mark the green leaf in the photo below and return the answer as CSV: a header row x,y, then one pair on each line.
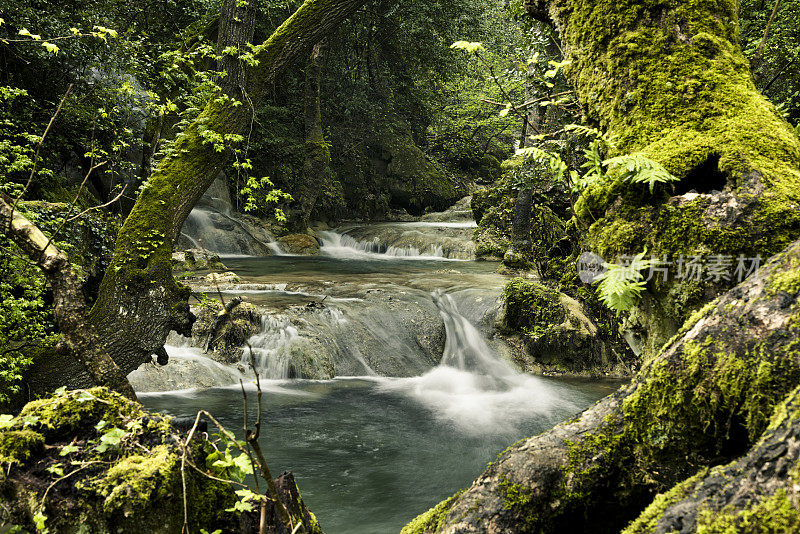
x,y
639,169
85,396
39,521
113,436
50,47
6,421
56,469
68,449
468,46
28,420
26,33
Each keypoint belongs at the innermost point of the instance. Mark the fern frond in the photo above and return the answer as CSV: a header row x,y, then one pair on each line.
x,y
639,169
621,285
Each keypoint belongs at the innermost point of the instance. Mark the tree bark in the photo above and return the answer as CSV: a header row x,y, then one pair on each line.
x,y
318,156
237,24
704,400
756,493
69,307
140,301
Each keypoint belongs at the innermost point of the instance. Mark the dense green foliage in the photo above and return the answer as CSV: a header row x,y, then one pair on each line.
x,y
776,68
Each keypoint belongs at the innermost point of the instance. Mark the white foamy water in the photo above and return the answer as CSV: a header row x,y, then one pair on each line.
x,y
343,246
435,224
473,388
271,347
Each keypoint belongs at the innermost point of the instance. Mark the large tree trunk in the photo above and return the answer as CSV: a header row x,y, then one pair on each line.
x,y
669,79
704,400
318,155
69,306
140,301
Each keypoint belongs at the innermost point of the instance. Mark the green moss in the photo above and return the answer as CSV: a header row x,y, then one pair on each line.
x,y
532,307
517,497
17,446
787,281
710,402
671,82
138,479
776,513
431,520
79,411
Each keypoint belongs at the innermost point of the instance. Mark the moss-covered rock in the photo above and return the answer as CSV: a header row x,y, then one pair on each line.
x,y
415,183
302,244
17,446
244,322
756,493
557,334
196,260
93,461
429,521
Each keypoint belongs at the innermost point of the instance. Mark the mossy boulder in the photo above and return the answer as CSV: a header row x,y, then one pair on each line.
x,y
196,260
556,334
300,244
244,322
93,461
414,182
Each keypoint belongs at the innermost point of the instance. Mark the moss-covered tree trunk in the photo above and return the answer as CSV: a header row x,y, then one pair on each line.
x,y
669,80
139,300
318,155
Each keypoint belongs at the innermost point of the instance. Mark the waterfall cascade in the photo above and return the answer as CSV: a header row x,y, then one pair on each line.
x,y
271,347
344,246
472,387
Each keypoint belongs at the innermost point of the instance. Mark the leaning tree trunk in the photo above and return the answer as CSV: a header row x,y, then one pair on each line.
x,y
318,155
139,300
704,400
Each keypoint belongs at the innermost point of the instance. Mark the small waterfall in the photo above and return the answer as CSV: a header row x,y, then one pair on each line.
x,y
472,387
276,248
199,228
343,246
465,348
226,234
271,348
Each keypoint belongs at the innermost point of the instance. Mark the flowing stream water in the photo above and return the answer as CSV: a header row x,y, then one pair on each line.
x,y
410,418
